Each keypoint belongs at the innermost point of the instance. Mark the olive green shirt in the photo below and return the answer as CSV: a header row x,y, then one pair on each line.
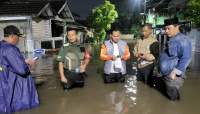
x,y
71,55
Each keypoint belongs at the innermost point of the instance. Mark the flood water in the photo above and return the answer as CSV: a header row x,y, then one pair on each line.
x,y
131,97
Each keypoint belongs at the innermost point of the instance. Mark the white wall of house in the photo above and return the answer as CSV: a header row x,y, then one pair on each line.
x,y
42,32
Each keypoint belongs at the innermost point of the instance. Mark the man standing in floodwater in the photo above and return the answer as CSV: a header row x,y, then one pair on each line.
x,y
175,58
145,55
115,53
73,60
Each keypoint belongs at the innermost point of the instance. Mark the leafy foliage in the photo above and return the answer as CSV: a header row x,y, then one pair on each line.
x,y
102,18
194,11
136,30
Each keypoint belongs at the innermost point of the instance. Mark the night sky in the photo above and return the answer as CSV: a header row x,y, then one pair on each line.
x,y
83,7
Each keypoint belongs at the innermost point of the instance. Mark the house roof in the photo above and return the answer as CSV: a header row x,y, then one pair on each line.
x,y
36,8
21,8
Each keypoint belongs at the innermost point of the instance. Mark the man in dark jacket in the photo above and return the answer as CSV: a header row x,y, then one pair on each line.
x,y
17,88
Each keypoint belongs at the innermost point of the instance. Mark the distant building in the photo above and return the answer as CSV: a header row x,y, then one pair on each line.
x,y
41,21
156,11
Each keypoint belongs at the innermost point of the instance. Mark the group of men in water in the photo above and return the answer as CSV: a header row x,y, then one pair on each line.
x,y
17,88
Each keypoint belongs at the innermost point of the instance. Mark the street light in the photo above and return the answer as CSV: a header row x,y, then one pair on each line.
x,y
145,8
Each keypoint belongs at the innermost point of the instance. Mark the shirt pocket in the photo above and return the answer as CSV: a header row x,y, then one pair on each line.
x,y
172,49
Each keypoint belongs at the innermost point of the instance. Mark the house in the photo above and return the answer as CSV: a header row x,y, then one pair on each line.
x,y
41,21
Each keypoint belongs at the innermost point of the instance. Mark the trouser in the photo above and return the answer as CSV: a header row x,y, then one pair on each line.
x,y
113,77
173,87
167,64
73,79
145,74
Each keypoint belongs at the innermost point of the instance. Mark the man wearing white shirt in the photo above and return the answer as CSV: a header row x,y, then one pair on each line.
x,y
114,52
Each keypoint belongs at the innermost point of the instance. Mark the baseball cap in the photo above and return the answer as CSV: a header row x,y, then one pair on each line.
x,y
12,30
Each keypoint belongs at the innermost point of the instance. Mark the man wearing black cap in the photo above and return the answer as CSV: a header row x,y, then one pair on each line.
x,y
17,88
175,58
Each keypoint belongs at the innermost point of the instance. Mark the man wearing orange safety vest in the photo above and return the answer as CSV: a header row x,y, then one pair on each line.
x,y
115,53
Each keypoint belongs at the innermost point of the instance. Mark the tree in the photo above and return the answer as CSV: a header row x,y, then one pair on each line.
x,y
102,17
194,11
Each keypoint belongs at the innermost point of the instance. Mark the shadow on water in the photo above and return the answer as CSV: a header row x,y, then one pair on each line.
x,y
131,97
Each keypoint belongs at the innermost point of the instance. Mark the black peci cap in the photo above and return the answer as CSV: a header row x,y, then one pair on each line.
x,y
12,30
172,21
71,29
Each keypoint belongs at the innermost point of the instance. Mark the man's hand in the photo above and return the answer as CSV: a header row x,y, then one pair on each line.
x,y
63,79
173,75
114,58
82,68
61,71
30,62
142,56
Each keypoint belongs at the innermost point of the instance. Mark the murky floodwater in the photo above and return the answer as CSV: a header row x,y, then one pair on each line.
x,y
96,97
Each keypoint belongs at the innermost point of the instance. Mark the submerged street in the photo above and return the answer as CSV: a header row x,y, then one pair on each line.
x,y
46,45
96,97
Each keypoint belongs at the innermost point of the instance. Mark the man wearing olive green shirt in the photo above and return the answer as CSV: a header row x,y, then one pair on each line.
x,y
73,60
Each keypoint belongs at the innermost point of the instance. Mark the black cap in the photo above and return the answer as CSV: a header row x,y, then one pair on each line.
x,y
172,21
12,30
71,29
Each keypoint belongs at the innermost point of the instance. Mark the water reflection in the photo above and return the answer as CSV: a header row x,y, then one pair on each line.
x,y
131,88
43,69
120,102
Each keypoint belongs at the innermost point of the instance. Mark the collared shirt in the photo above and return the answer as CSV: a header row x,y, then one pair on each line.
x,y
180,48
143,46
70,54
115,53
